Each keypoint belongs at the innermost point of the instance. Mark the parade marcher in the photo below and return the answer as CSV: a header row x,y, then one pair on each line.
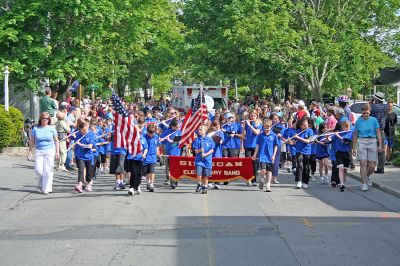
x,y
366,136
85,141
322,155
278,129
379,111
391,121
44,139
203,147
313,155
217,136
266,150
170,138
342,144
303,152
135,165
96,148
117,165
63,129
290,144
150,159
252,128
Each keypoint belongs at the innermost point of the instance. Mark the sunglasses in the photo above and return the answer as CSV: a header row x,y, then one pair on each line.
x,y
45,118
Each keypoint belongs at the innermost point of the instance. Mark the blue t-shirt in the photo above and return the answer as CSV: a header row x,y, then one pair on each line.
x,y
366,128
172,148
282,131
342,144
232,142
344,119
288,133
266,144
207,143
302,147
82,153
152,144
218,146
314,144
138,156
251,137
321,150
44,137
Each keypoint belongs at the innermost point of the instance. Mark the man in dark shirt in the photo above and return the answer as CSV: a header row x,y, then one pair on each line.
x,y
391,121
379,111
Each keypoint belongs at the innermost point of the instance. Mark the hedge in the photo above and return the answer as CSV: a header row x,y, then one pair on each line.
x,y
7,130
16,118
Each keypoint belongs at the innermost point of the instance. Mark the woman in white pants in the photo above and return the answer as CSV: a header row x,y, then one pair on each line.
x,y
45,140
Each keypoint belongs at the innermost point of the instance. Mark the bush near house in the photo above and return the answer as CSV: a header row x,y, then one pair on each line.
x,y
7,130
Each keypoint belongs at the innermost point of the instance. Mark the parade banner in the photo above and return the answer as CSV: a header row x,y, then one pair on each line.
x,y
223,169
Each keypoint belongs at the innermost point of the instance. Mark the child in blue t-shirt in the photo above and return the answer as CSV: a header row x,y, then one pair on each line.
x,y
203,147
322,155
218,137
266,149
342,144
290,145
150,160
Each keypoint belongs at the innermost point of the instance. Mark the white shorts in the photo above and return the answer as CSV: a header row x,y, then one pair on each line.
x,y
367,149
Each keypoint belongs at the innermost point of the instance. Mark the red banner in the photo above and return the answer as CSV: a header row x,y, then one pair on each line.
x,y
223,169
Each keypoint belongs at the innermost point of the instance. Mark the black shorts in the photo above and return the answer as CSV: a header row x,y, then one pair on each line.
x,y
343,159
103,158
269,167
323,157
117,163
149,168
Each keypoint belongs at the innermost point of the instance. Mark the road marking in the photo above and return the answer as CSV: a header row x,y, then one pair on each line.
x,y
389,215
307,223
208,233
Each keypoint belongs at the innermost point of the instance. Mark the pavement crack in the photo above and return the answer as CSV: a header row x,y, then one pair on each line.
x,y
280,235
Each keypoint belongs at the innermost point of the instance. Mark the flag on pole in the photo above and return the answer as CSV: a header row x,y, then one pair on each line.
x,y
193,119
126,135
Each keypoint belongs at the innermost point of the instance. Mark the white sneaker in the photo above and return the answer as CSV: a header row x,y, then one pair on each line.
x,y
364,187
167,182
305,186
268,188
139,191
131,192
210,185
369,181
216,186
298,184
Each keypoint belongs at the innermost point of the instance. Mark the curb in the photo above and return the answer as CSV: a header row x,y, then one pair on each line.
x,y
15,151
376,184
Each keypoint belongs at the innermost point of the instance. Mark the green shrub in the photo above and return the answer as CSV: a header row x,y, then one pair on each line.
x,y
7,130
17,119
396,161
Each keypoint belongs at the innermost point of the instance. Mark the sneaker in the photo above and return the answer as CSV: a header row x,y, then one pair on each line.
x,y
342,187
294,170
210,185
139,191
276,181
89,188
216,186
254,184
322,178
198,188
173,185
261,185
369,181
151,189
204,190
148,187
167,182
248,184
131,192
78,188
312,177
305,186
364,187
333,184
268,188
298,185
288,169
117,187
122,185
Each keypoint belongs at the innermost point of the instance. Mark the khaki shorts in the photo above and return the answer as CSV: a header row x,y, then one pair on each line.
x,y
367,149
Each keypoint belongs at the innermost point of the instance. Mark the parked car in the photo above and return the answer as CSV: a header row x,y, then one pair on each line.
x,y
358,105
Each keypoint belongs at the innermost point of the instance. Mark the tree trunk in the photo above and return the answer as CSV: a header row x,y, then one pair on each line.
x,y
147,86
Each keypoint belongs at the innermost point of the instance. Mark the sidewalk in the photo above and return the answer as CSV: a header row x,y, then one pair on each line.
x,y
388,182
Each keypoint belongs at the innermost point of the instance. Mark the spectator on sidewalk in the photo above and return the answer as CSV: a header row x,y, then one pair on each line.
x,y
391,121
47,104
45,140
379,111
365,139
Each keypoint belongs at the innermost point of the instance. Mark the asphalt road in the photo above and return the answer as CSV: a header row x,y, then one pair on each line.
x,y
237,225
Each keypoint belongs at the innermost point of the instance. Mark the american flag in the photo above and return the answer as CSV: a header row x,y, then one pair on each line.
x,y
126,135
193,119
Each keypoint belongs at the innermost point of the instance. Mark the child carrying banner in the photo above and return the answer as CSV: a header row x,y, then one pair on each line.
x,y
203,147
266,149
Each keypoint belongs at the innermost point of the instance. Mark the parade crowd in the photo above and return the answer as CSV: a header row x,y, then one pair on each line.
x,y
77,136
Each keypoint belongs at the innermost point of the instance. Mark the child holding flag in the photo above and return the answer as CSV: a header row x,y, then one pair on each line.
x,y
203,147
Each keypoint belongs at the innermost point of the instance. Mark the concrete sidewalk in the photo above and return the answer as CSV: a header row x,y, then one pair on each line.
x,y
388,182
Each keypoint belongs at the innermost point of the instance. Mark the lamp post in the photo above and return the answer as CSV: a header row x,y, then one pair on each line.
x,y
6,91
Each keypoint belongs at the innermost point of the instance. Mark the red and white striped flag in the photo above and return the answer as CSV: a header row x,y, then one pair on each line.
x,y
193,119
126,134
